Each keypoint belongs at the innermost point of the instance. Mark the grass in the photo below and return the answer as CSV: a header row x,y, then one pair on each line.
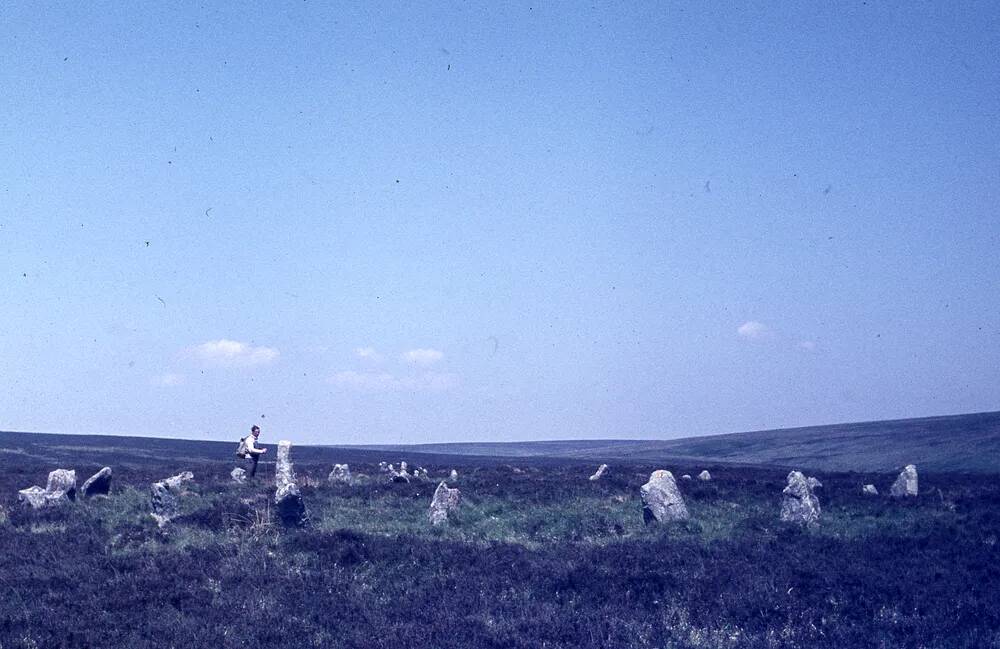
x,y
538,558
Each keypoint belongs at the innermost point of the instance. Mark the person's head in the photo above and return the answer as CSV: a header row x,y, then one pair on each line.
x,y
255,431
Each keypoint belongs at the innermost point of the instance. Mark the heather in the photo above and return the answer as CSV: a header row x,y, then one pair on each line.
x,y
538,557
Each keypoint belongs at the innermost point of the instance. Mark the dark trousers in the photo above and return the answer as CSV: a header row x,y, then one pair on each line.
x,y
254,459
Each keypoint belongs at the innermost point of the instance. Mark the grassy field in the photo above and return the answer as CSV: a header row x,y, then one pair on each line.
x,y
537,557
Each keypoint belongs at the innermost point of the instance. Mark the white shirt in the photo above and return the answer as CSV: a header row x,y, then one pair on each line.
x,y
250,445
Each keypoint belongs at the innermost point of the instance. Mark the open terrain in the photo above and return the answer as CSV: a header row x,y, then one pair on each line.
x,y
536,556
950,443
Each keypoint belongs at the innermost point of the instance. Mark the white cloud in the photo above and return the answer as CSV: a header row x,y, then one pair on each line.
x,y
368,354
752,330
423,356
386,382
233,353
807,345
169,379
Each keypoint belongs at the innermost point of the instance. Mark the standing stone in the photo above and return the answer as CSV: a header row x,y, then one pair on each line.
x,y
906,483
287,499
383,467
341,473
164,496
98,484
421,474
453,476
661,500
601,470
869,490
799,504
444,502
814,483
239,475
705,475
63,480
686,476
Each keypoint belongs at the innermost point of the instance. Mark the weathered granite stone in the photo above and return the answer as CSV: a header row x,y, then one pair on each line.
x,y
906,483
453,476
287,499
705,475
814,483
164,496
444,502
661,500
239,475
799,505
420,473
869,490
341,473
63,480
601,470
98,484
686,476
36,497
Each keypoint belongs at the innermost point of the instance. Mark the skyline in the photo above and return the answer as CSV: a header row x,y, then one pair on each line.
x,y
393,225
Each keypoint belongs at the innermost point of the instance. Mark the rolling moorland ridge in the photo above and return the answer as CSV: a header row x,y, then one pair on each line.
x,y
968,442
536,555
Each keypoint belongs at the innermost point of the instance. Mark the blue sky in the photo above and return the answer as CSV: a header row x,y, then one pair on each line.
x,y
405,224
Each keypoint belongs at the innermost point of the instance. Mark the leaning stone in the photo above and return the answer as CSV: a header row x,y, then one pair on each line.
x,y
239,475
63,480
341,473
287,499
661,500
98,484
799,505
445,501
601,470
686,476
869,490
906,483
705,475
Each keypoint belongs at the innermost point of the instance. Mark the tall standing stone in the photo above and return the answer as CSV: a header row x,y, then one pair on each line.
x,y
287,499
601,470
906,483
445,502
661,499
799,505
98,484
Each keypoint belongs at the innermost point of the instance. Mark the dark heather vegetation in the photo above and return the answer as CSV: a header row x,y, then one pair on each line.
x,y
539,557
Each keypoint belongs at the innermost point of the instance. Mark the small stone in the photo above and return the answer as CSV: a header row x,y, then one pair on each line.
x,y
341,473
814,483
445,501
239,475
453,476
686,476
906,483
63,480
661,499
36,497
164,496
799,504
601,470
705,475
98,484
869,490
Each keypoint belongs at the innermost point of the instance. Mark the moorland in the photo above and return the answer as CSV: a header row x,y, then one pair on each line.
x,y
536,556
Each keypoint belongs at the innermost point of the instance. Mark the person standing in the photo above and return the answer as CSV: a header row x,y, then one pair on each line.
x,y
253,451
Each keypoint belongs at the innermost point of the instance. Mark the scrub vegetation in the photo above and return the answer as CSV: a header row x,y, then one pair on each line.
x,y
540,557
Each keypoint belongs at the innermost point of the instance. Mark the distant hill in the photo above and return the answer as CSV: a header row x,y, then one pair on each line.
x,y
963,443
966,443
